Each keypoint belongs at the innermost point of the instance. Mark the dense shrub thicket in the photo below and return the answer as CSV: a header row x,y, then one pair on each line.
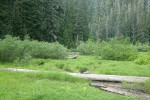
x,y
143,47
115,49
143,59
14,49
119,50
88,48
47,50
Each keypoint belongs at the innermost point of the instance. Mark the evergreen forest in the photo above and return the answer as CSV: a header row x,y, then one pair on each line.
x,y
71,21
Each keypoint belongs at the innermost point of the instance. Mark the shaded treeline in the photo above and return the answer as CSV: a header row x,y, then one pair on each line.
x,y
71,21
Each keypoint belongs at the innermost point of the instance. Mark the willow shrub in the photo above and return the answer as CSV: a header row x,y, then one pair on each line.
x,y
14,49
119,52
48,50
87,48
119,49
115,49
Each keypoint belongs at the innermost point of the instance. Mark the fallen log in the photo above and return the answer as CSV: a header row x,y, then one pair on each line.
x,y
110,78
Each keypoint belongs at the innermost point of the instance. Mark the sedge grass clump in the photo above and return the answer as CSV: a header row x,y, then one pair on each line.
x,y
82,69
147,87
57,76
60,65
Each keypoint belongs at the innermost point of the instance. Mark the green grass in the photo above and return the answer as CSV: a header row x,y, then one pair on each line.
x,y
29,86
56,85
57,76
92,63
147,86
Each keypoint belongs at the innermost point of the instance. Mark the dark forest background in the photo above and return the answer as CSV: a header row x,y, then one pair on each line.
x,y
71,21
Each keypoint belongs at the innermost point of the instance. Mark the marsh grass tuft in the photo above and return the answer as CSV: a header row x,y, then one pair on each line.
x,y
57,76
147,86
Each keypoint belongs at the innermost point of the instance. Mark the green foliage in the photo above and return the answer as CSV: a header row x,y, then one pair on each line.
x,y
71,21
14,49
143,59
119,50
99,48
60,65
48,50
147,86
57,76
115,49
143,47
87,48
48,20
83,69
58,51
92,63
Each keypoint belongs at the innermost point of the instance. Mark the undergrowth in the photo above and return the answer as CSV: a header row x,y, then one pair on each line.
x,y
13,49
114,49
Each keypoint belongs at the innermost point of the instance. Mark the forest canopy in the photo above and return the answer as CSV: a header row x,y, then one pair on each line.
x,y
71,21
